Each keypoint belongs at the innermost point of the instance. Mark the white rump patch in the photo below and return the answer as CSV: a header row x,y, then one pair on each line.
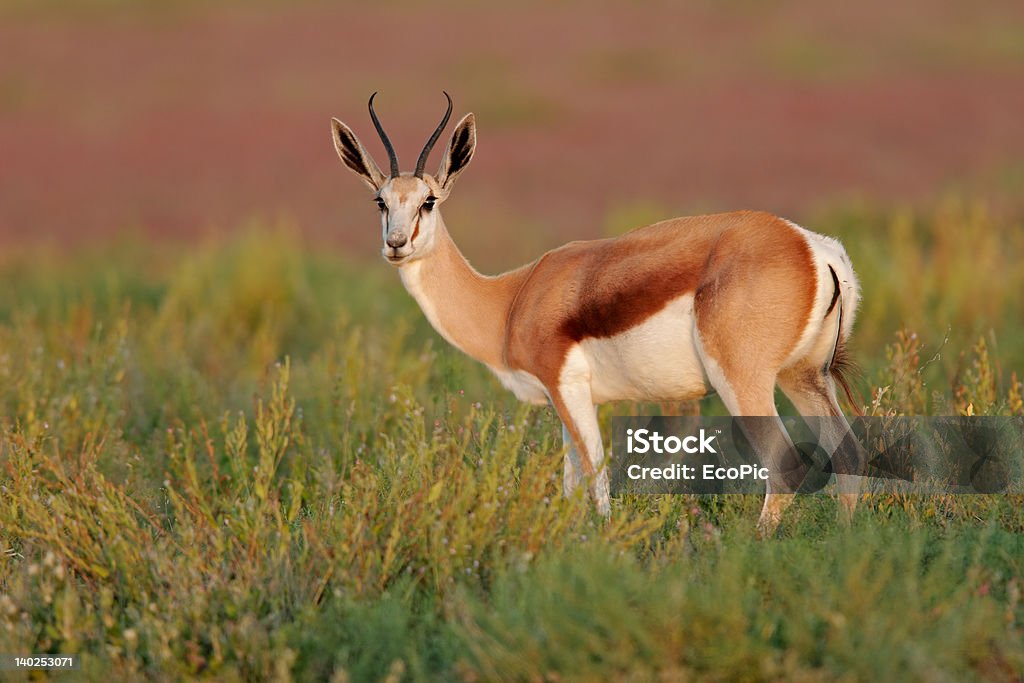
x,y
826,251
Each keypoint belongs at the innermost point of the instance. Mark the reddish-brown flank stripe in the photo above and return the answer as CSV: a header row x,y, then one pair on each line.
x,y
601,288
629,279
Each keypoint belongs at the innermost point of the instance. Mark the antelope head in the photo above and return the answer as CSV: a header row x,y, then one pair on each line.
x,y
409,203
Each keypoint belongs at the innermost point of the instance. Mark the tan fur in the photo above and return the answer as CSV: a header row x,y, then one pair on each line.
x,y
598,288
472,309
762,275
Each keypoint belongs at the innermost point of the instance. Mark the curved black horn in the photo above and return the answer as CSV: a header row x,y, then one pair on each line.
x,y
384,138
433,138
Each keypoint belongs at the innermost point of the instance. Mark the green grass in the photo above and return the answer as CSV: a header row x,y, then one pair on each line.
x,y
254,460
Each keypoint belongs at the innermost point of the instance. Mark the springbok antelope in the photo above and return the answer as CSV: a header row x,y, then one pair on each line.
x,y
731,303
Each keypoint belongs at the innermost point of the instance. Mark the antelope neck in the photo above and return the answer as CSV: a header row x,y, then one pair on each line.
x,y
468,309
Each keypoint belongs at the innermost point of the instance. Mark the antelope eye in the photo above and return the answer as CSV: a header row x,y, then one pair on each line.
x,y
428,203
380,204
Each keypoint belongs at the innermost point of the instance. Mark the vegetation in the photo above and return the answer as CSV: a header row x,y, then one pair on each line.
x,y
255,461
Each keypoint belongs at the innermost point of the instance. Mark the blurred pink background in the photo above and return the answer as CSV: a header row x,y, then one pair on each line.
x,y
123,118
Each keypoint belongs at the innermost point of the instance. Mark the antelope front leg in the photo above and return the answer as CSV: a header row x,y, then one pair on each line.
x,y
585,456
572,473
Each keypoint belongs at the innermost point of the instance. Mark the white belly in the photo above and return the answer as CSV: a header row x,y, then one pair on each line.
x,y
654,361
525,386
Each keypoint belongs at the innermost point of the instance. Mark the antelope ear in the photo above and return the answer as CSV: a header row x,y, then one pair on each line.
x,y
354,155
460,150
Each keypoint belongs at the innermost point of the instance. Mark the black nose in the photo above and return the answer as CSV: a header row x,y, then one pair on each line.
x,y
396,240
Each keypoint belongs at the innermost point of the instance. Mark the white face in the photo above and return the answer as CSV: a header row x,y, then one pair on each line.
x,y
408,217
409,205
